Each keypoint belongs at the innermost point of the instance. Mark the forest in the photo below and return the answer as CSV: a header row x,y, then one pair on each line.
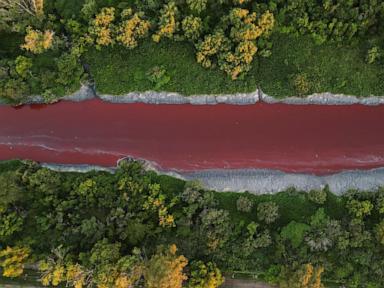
x,y
285,47
135,228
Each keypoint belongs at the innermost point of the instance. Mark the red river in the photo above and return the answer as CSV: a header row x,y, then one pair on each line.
x,y
313,138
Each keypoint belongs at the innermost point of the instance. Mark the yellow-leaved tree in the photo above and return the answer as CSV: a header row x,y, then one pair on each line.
x,y
12,260
204,275
234,46
165,269
307,276
167,24
102,28
36,41
133,28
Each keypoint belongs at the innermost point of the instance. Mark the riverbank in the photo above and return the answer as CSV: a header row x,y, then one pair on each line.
x,y
172,98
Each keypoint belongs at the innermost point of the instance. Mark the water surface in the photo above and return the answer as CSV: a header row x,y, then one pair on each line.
x,y
293,138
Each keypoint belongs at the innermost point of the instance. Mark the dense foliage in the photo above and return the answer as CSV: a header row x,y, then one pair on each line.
x,y
135,228
52,38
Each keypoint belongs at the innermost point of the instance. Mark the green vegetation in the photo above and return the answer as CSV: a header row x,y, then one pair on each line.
x,y
138,228
326,67
187,76
191,46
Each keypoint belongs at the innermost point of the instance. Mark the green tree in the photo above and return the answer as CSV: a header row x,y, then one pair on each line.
x,y
244,204
380,232
197,6
267,212
215,226
317,196
359,209
295,232
10,189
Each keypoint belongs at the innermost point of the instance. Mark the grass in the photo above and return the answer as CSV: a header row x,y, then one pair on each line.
x,y
326,68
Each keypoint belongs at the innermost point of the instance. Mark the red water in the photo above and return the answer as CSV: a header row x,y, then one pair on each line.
x,y
315,139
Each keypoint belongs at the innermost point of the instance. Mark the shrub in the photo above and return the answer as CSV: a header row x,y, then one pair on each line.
x,y
12,260
373,55
268,212
158,76
317,196
244,204
301,84
23,66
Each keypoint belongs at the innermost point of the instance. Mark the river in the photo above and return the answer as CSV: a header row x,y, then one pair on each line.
x,y
293,138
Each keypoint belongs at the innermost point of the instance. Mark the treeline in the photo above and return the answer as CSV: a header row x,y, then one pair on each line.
x,y
135,228
227,34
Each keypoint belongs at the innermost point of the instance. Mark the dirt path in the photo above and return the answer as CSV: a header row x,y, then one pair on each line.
x,y
240,283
